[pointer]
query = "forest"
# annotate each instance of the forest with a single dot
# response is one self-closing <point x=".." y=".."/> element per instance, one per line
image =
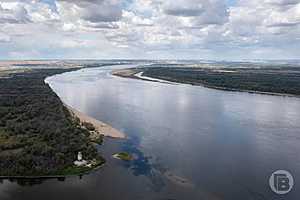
<point x="38" y="135"/>
<point x="281" y="80"/>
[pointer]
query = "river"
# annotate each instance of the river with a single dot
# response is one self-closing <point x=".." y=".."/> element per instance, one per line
<point x="189" y="142"/>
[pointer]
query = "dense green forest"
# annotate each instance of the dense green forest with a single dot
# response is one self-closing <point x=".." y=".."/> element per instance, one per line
<point x="38" y="135"/>
<point x="284" y="80"/>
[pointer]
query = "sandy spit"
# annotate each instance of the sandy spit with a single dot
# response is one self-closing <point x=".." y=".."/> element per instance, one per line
<point x="101" y="127"/>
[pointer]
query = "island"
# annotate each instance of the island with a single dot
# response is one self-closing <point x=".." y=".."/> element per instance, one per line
<point x="40" y="136"/>
<point x="270" y="80"/>
<point x="123" y="156"/>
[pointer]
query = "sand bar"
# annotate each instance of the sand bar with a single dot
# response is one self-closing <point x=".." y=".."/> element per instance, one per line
<point x="101" y="127"/>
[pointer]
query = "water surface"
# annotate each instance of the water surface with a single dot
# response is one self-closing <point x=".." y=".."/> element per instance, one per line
<point x="189" y="142"/>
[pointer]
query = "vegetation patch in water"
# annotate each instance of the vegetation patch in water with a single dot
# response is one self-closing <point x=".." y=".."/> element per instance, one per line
<point x="123" y="156"/>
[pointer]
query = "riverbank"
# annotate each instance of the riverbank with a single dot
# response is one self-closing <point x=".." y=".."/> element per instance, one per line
<point x="139" y="73"/>
<point x="101" y="128"/>
<point x="65" y="173"/>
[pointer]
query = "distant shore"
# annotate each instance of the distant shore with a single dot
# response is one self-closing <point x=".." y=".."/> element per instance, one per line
<point x="137" y="73"/>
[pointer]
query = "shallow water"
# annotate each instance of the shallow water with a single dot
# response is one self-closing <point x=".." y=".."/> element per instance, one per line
<point x="189" y="142"/>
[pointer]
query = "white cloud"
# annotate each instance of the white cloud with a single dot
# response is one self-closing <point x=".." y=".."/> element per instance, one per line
<point x="142" y="28"/>
<point x="4" y="38"/>
<point x="92" y="11"/>
<point x="11" y="12"/>
<point x="203" y="11"/>
<point x="40" y="12"/>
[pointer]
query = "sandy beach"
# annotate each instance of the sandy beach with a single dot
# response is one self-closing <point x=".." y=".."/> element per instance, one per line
<point x="101" y="127"/>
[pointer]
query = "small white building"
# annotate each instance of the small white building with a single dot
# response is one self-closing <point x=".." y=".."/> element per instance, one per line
<point x="80" y="162"/>
<point x="79" y="156"/>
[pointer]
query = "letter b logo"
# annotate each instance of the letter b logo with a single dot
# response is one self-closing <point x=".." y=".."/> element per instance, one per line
<point x="281" y="182"/>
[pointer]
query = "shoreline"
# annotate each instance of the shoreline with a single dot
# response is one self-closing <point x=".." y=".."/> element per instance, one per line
<point x="133" y="72"/>
<point x="100" y="127"/>
<point x="58" y="176"/>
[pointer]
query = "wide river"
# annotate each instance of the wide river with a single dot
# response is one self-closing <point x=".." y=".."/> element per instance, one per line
<point x="189" y="142"/>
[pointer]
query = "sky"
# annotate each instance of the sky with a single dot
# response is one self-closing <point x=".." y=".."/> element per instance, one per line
<point x="150" y="29"/>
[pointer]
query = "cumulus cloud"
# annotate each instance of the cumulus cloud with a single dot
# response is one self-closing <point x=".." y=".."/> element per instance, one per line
<point x="4" y="38"/>
<point x="184" y="8"/>
<point x="204" y="11"/>
<point x="156" y="28"/>
<point x="94" y="11"/>
<point x="283" y="2"/>
<point x="13" y="13"/>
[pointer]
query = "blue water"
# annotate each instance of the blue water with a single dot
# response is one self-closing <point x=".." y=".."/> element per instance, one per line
<point x="189" y="142"/>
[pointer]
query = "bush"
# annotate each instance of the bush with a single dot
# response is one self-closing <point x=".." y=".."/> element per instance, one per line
<point x="88" y="126"/>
